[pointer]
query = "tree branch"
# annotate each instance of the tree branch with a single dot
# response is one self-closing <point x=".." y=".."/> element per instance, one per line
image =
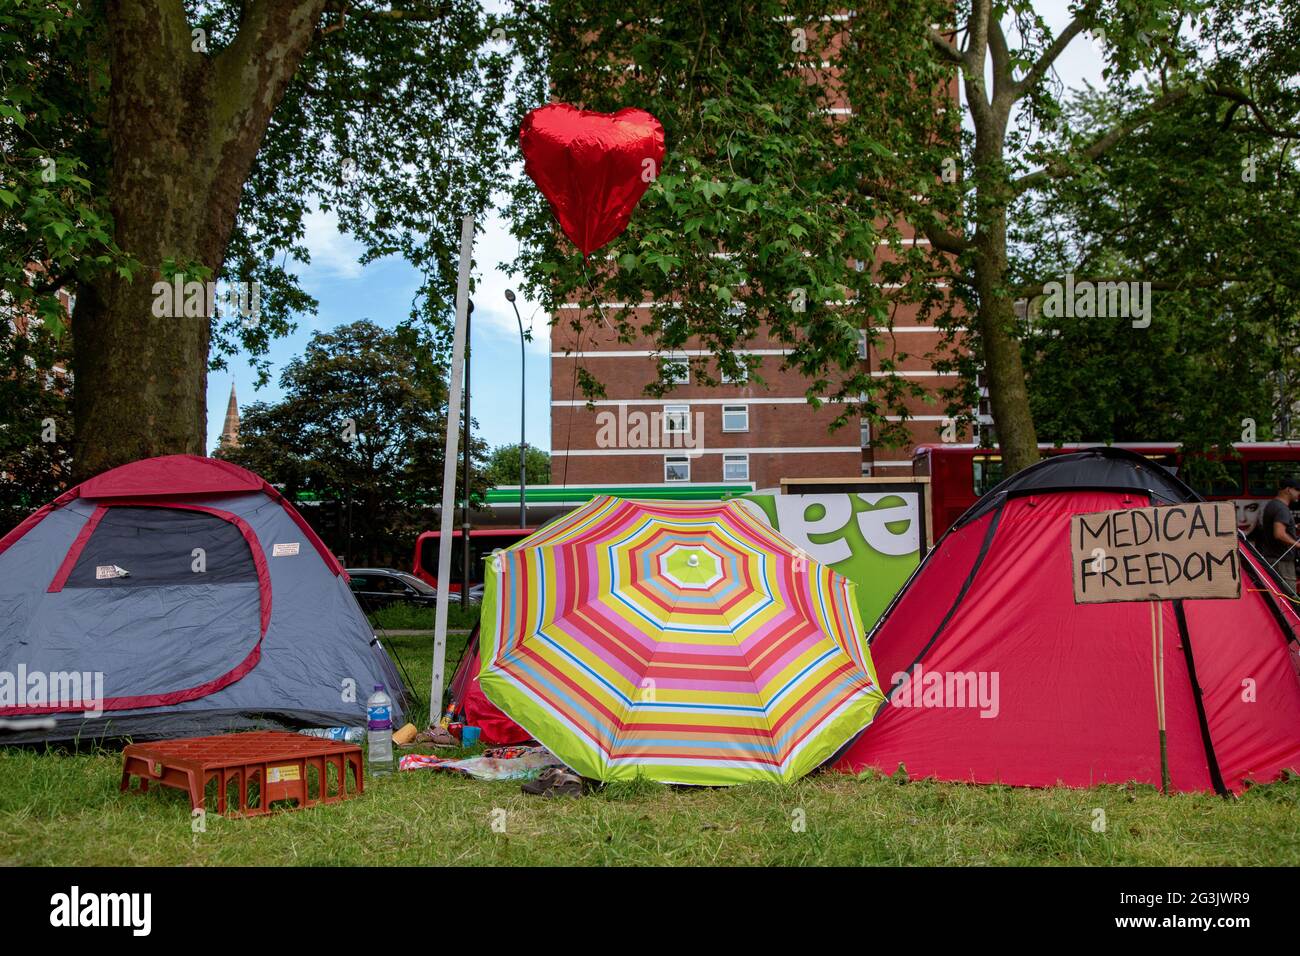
<point x="945" y="46"/>
<point x="1003" y="81"/>
<point x="945" y="240"/>
<point x="1044" y="63"/>
<point x="977" y="38"/>
<point x="1061" y="166"/>
<point x="977" y="44"/>
<point x="1240" y="98"/>
<point x="1157" y="285"/>
<point x="422" y="15"/>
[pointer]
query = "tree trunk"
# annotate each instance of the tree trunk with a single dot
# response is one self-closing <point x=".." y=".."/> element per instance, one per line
<point x="996" y="318"/>
<point x="184" y="128"/>
<point x="1003" y="368"/>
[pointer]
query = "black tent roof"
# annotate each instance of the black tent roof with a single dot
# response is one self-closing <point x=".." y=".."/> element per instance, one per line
<point x="1103" y="468"/>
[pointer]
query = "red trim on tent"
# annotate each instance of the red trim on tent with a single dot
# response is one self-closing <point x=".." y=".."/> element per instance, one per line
<point x="35" y="518"/>
<point x="254" y="546"/>
<point x="171" y="475"/>
<point x="74" y="552"/>
<point x="158" y="700"/>
<point x="331" y="562"/>
<point x="191" y="693"/>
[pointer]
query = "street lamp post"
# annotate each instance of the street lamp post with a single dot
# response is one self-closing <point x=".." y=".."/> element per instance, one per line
<point x="523" y="392"/>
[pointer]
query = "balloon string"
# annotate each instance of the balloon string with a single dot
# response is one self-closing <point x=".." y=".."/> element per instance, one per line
<point x="573" y="391"/>
<point x="573" y="386"/>
<point x="595" y="296"/>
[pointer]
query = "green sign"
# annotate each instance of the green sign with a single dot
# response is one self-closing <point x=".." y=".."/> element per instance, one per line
<point x="875" y="539"/>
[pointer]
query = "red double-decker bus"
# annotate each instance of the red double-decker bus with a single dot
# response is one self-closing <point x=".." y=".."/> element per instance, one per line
<point x="482" y="542"/>
<point x="960" y="474"/>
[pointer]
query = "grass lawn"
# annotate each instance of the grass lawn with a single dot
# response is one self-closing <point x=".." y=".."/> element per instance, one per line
<point x="58" y="809"/>
<point x="402" y="617"/>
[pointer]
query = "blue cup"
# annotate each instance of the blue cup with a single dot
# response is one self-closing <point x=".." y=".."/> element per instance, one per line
<point x="469" y="736"/>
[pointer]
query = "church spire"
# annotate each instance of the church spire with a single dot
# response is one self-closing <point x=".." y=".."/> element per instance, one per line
<point x="230" y="430"/>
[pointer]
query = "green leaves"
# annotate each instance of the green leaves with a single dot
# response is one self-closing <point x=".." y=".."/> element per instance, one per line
<point x="362" y="419"/>
<point x="35" y="439"/>
<point x="761" y="199"/>
<point x="55" y="225"/>
<point x="1205" y="210"/>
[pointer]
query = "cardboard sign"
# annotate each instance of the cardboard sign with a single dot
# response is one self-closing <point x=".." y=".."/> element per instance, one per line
<point x="1163" y="553"/>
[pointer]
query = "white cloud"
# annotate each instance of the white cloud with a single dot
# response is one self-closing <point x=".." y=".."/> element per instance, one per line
<point x="333" y="254"/>
<point x="492" y="313"/>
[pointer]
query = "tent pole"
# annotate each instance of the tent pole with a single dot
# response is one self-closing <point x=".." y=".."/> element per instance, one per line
<point x="449" y="471"/>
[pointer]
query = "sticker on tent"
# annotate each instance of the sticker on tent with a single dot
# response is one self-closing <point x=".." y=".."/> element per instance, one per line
<point x="1154" y="554"/>
<point x="284" y="550"/>
<point x="105" y="571"/>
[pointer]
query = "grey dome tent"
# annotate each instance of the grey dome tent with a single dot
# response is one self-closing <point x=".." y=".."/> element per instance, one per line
<point x="179" y="596"/>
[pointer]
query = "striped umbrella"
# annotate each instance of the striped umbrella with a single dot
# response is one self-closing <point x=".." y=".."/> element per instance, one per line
<point x="687" y="643"/>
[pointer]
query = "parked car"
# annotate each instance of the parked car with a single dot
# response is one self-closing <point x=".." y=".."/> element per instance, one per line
<point x="376" y="588"/>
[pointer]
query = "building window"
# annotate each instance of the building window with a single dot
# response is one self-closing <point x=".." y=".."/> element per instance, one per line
<point x="735" y="468"/>
<point x="677" y="468"/>
<point x="735" y="418"/>
<point x="864" y="432"/>
<point x="740" y="377"/>
<point x="677" y="419"/>
<point x="866" y="469"/>
<point x="676" y="369"/>
<point x="862" y="344"/>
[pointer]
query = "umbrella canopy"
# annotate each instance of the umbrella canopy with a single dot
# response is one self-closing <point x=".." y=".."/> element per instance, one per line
<point x="687" y="643"/>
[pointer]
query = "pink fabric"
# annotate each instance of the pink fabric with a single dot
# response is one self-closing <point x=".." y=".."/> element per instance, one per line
<point x="78" y="545"/>
<point x="158" y="700"/>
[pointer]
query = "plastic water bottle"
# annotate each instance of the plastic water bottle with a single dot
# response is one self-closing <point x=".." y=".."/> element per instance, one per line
<point x="351" y="735"/>
<point x="379" y="736"/>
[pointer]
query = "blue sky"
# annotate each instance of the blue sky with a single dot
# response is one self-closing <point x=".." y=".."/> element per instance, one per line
<point x="382" y="292"/>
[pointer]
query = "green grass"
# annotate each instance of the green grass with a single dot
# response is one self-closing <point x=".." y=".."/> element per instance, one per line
<point x="59" y="809"/>
<point x="403" y="617"/>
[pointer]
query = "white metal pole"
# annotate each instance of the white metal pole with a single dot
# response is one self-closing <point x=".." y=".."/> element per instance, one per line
<point x="449" y="471"/>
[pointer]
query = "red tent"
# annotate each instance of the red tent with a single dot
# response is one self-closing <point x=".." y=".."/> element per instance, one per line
<point x="1058" y="692"/>
<point x="472" y="706"/>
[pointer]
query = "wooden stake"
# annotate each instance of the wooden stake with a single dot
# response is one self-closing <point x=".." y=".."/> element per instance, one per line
<point x="1158" y="669"/>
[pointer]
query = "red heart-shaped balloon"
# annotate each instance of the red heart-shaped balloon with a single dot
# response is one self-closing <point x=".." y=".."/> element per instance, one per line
<point x="592" y="168"/>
